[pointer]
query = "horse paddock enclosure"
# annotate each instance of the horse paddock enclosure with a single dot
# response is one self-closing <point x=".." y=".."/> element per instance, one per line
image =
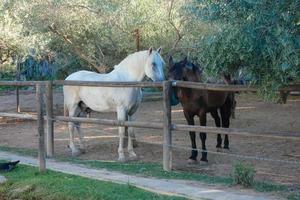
<point x="252" y="114"/>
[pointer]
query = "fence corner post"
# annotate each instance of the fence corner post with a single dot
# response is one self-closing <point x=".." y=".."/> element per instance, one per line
<point x="49" y="115"/>
<point x="40" y="124"/>
<point x="167" y="149"/>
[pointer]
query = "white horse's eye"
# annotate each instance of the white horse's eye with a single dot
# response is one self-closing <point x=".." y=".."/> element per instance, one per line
<point x="154" y="66"/>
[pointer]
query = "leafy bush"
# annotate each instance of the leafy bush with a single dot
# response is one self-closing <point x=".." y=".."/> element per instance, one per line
<point x="243" y="174"/>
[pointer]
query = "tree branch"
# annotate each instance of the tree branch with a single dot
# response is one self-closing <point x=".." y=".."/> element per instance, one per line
<point x="77" y="51"/>
<point x="177" y="31"/>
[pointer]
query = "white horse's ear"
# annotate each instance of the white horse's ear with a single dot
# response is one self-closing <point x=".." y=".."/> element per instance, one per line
<point x="159" y="50"/>
<point x="150" y="50"/>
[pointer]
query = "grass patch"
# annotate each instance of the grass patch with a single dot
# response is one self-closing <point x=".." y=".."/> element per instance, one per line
<point x="20" y="151"/>
<point x="25" y="182"/>
<point x="295" y="196"/>
<point x="152" y="170"/>
<point x="243" y="174"/>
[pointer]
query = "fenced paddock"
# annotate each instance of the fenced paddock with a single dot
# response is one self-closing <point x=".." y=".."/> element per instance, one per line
<point x="270" y="148"/>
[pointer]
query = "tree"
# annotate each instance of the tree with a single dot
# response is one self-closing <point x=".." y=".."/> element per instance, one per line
<point x="259" y="37"/>
<point x="96" y="34"/>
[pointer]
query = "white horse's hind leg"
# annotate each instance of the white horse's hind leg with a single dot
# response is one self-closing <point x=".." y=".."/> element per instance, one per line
<point x="122" y="117"/>
<point x="131" y="153"/>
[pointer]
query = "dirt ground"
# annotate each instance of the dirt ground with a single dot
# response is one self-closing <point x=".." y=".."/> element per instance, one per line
<point x="252" y="114"/>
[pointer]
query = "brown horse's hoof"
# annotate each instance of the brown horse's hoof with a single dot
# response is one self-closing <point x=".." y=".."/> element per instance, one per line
<point x="192" y="162"/>
<point x="203" y="162"/>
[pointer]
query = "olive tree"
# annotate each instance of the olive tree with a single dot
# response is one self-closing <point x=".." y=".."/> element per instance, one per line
<point x="260" y="38"/>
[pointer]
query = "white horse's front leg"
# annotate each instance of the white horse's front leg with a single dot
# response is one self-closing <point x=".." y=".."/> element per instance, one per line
<point x="122" y="117"/>
<point x="131" y="153"/>
<point x="72" y="146"/>
<point x="82" y="145"/>
<point x="74" y="150"/>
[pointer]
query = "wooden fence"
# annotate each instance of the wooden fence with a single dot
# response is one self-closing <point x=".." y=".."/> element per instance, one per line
<point x="167" y="126"/>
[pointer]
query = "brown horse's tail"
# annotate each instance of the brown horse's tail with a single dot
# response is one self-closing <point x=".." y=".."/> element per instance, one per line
<point x="233" y="105"/>
<point x="228" y="81"/>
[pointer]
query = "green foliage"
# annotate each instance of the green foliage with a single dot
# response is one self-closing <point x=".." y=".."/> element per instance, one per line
<point x="295" y="196"/>
<point x="243" y="174"/>
<point x="259" y="37"/>
<point x="91" y="34"/>
<point x="26" y="182"/>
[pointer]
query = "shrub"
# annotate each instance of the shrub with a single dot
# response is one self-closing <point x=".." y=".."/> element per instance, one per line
<point x="243" y="174"/>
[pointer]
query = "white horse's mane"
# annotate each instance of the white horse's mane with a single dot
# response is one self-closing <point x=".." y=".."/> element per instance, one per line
<point x="129" y="58"/>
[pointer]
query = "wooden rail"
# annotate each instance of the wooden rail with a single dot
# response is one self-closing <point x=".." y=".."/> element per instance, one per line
<point x="19" y="83"/>
<point x="18" y="115"/>
<point x="108" y="84"/>
<point x="213" y="87"/>
<point x="110" y="122"/>
<point x="234" y="131"/>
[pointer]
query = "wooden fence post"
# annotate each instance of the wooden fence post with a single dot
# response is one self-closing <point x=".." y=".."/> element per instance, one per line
<point x="17" y="88"/>
<point x="40" y="124"/>
<point x="49" y="115"/>
<point x="167" y="149"/>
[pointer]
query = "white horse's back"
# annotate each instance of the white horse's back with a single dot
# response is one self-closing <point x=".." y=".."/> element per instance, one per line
<point x="101" y="99"/>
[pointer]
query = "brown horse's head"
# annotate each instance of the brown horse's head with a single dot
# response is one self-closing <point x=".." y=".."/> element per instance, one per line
<point x="184" y="70"/>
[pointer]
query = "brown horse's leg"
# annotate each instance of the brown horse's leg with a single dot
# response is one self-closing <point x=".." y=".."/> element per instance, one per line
<point x="203" y="137"/>
<point x="194" y="152"/>
<point x="217" y="119"/>
<point x="225" y="115"/>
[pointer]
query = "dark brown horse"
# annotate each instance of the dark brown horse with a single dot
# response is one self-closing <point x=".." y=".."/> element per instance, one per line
<point x="197" y="102"/>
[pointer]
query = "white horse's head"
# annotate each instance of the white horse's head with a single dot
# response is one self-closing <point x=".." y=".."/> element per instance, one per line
<point x="154" y="65"/>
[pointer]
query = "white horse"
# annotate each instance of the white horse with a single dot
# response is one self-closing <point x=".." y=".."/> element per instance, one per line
<point x="124" y="101"/>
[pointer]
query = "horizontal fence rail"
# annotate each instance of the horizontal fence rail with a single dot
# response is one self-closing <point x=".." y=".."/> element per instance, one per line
<point x="19" y="83"/>
<point x="108" y="84"/>
<point x="213" y="87"/>
<point x="228" y="88"/>
<point x="234" y="131"/>
<point x="19" y="115"/>
<point x="110" y="122"/>
<point x="184" y="84"/>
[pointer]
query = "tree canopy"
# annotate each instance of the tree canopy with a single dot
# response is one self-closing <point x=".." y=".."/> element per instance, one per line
<point x="258" y="39"/>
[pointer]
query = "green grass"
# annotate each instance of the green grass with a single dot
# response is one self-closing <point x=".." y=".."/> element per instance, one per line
<point x="25" y="182"/>
<point x="153" y="170"/>
<point x="295" y="196"/>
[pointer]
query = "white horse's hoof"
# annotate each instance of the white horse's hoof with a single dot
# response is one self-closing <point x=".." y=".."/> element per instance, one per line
<point x="133" y="157"/>
<point x="192" y="162"/>
<point x="121" y="159"/>
<point x="76" y="153"/>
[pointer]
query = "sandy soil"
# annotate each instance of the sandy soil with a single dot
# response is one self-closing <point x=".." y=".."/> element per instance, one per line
<point x="251" y="114"/>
